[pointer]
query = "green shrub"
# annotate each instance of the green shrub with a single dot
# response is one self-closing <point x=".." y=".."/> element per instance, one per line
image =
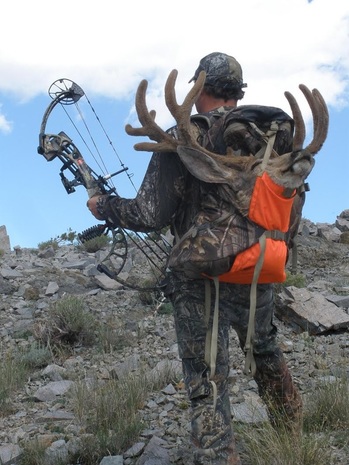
<point x="110" y="415"/>
<point x="68" y="237"/>
<point x="263" y="445"/>
<point x="297" y="280"/>
<point x="165" y="308"/>
<point x="50" y="243"/>
<point x="31" y="293"/>
<point x="111" y="338"/>
<point x="97" y="243"/>
<point x="69" y="323"/>
<point x="36" y="356"/>
<point x="33" y="453"/>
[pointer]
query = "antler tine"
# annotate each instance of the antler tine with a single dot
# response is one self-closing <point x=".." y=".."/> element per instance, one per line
<point x="323" y="119"/>
<point x="165" y="142"/>
<point x="181" y="113"/>
<point x="320" y="116"/>
<point x="146" y="117"/>
<point x="299" y="136"/>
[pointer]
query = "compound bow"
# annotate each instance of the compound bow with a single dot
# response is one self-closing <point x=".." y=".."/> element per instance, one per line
<point x="52" y="146"/>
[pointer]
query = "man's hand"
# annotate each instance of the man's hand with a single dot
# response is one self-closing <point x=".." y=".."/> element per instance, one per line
<point x="92" y="205"/>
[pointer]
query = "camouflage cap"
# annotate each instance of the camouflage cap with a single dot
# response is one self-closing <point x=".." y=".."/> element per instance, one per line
<point x="221" y="69"/>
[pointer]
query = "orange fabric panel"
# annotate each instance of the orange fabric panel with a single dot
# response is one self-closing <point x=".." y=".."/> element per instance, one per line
<point x="273" y="270"/>
<point x="268" y="207"/>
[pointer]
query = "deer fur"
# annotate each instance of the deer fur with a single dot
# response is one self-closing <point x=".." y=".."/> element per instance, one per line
<point x="238" y="173"/>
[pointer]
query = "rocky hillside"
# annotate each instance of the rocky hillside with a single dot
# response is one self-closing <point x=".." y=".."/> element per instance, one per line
<point x="136" y="334"/>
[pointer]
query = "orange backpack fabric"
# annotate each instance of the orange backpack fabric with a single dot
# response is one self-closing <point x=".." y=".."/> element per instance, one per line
<point x="270" y="209"/>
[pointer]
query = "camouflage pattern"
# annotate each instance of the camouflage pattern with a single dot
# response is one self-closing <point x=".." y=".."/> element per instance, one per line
<point x="212" y="434"/>
<point x="244" y="138"/>
<point x="221" y="69"/>
<point x="213" y="241"/>
<point x="170" y="195"/>
<point x="209" y="216"/>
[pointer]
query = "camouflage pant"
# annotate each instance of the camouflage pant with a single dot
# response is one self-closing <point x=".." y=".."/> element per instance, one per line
<point x="212" y="433"/>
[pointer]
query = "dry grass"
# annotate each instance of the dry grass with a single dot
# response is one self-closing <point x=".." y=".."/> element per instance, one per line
<point x="327" y="407"/>
<point x="324" y="435"/>
<point x="266" y="446"/>
<point x="110" y="413"/>
<point x="13" y="374"/>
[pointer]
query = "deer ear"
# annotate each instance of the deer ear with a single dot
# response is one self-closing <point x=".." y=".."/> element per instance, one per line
<point x="202" y="166"/>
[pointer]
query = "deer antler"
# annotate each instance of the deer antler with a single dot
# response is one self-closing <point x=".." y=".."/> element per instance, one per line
<point x="239" y="173"/>
<point x="181" y="113"/>
<point x="299" y="134"/>
<point x="166" y="142"/>
<point x="320" y="120"/>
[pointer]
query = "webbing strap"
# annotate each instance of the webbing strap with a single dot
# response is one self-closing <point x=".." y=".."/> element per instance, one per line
<point x="250" y="363"/>
<point x="294" y="256"/>
<point x="211" y="343"/>
<point x="214" y="339"/>
<point x="207" y="321"/>
<point x="271" y="134"/>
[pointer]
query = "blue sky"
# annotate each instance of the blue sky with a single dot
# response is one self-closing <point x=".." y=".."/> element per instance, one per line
<point x="108" y="50"/>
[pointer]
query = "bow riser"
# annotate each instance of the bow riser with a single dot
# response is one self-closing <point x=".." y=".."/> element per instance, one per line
<point x="62" y="147"/>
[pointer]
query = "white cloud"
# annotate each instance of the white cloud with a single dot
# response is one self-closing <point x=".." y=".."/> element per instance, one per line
<point x="108" y="47"/>
<point x="5" y="124"/>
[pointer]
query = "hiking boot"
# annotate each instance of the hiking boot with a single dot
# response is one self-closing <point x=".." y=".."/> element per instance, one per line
<point x="210" y="457"/>
<point x="212" y="434"/>
<point x="190" y="455"/>
<point x="276" y="388"/>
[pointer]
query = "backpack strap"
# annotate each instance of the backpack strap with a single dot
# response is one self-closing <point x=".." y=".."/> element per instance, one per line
<point x="250" y="363"/>
<point x="271" y="135"/>
<point x="211" y="342"/>
<point x="208" y="118"/>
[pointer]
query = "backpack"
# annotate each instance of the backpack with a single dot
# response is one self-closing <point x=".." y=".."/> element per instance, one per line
<point x="239" y="248"/>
